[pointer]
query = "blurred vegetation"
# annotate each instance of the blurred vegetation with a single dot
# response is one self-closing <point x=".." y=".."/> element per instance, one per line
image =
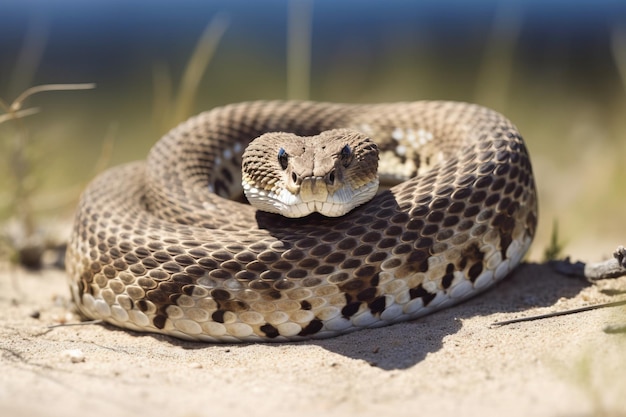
<point x="599" y="378"/>
<point x="557" y="70"/>
<point x="21" y="239"/>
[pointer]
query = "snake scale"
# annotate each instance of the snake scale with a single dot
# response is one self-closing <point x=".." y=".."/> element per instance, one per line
<point x="168" y="245"/>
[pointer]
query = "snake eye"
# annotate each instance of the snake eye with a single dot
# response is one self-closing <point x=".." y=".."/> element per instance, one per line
<point x="345" y="155"/>
<point x="283" y="158"/>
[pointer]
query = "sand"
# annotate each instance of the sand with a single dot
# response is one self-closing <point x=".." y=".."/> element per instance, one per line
<point x="451" y="363"/>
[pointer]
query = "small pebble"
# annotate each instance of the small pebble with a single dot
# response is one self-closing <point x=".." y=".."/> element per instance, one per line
<point x="74" y="355"/>
<point x="62" y="318"/>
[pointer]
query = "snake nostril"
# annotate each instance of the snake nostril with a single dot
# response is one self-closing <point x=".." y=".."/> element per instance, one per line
<point x="331" y="177"/>
<point x="294" y="177"/>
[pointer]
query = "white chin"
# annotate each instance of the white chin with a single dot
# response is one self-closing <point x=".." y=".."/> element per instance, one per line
<point x="292" y="206"/>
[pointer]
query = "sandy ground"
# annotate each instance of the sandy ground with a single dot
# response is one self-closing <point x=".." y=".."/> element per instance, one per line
<point x="452" y="363"/>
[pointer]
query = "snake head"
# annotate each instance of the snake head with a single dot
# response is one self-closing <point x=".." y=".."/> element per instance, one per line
<point x="294" y="176"/>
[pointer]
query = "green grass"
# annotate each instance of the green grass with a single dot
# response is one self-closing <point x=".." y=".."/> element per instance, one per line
<point x="554" y="250"/>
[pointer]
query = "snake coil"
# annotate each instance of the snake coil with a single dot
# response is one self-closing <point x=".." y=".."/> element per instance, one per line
<point x="164" y="246"/>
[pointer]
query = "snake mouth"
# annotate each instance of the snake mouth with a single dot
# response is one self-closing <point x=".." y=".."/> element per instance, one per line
<point x="313" y="197"/>
<point x="314" y="189"/>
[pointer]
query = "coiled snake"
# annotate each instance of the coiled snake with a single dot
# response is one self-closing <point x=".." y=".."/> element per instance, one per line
<point x="164" y="246"/>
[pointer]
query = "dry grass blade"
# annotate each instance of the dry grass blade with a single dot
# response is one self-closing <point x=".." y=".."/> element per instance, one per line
<point x="17" y="103"/>
<point x="107" y="149"/>
<point x="494" y="79"/>
<point x="18" y="114"/>
<point x="197" y="65"/>
<point x="618" y="48"/>
<point x="299" y="49"/>
<point x="559" y="313"/>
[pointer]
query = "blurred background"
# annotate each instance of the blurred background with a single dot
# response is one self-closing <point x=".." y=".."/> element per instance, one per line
<point x="556" y="68"/>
